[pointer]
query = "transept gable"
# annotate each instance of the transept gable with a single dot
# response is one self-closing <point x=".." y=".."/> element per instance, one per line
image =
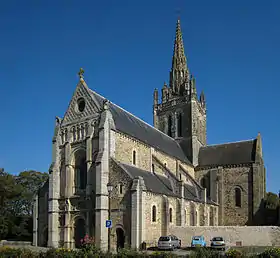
<point x="81" y="106"/>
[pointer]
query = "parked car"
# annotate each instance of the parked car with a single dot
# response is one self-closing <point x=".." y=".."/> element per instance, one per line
<point x="218" y="243"/>
<point x="198" y="241"/>
<point x="170" y="242"/>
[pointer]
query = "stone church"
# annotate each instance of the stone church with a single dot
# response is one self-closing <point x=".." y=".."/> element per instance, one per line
<point x="158" y="176"/>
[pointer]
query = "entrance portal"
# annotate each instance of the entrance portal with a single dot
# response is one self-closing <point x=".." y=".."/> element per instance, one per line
<point x="120" y="238"/>
<point x="80" y="232"/>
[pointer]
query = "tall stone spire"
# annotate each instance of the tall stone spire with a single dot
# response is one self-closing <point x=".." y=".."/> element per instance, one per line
<point x="179" y="74"/>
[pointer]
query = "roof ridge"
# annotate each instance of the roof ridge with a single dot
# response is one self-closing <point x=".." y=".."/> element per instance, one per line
<point x="227" y="143"/>
<point x="136" y="117"/>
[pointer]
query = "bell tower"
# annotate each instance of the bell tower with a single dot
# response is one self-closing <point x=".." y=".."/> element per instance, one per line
<point x="180" y="113"/>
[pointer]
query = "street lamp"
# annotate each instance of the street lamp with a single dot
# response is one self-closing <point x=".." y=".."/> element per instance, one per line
<point x="110" y="189"/>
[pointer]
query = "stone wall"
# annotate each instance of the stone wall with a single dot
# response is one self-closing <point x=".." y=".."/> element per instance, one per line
<point x="223" y="188"/>
<point x="249" y="236"/>
<point x="125" y="145"/>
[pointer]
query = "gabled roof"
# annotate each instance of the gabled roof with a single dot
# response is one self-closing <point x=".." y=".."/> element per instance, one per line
<point x="133" y="126"/>
<point x="228" y="154"/>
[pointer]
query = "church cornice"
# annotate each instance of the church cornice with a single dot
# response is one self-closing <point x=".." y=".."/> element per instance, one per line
<point x="216" y="166"/>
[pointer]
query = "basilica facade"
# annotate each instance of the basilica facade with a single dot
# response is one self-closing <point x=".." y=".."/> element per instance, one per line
<point x="110" y="165"/>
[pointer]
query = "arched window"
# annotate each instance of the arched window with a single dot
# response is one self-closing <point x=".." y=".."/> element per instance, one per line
<point x="154" y="213"/>
<point x="120" y="188"/>
<point x="192" y="215"/>
<point x="134" y="157"/>
<point x="170" y="215"/>
<point x="205" y="183"/>
<point x="179" y="125"/>
<point x="237" y="197"/>
<point x="80" y="170"/>
<point x="169" y="132"/>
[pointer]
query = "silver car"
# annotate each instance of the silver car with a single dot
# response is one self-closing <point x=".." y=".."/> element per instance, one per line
<point x="218" y="243"/>
<point x="170" y="242"/>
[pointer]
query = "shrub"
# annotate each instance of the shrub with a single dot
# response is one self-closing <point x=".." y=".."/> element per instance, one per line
<point x="271" y="252"/>
<point x="205" y="252"/>
<point x="6" y="251"/>
<point x="233" y="253"/>
<point x="88" y="248"/>
<point x="10" y="252"/>
<point x="124" y="252"/>
<point x="162" y="254"/>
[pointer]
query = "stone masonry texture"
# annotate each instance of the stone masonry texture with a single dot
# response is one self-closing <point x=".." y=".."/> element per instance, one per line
<point x="248" y="236"/>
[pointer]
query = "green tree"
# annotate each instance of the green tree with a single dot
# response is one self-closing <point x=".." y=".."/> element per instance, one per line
<point x="30" y="181"/>
<point x="9" y="190"/>
<point x="271" y="201"/>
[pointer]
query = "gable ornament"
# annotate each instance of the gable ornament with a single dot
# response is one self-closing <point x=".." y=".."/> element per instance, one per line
<point x="81" y="73"/>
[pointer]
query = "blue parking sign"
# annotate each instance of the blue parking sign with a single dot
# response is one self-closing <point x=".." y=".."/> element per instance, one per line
<point x="108" y="223"/>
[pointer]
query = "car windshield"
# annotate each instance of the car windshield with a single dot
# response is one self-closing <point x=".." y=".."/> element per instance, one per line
<point x="166" y="238"/>
<point x="217" y="239"/>
<point x="196" y="238"/>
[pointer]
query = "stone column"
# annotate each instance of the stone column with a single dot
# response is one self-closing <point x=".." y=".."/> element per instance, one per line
<point x="54" y="195"/>
<point x="137" y="212"/>
<point x="53" y="223"/>
<point x="216" y="216"/>
<point x="221" y="196"/>
<point x="68" y="171"/>
<point x="35" y="221"/>
<point x="175" y="125"/>
<point x="89" y="178"/>
<point x="254" y="203"/>
<point x="182" y="202"/>
<point x="102" y="177"/>
<point x="67" y="229"/>
<point x="208" y="216"/>
<point x="165" y="220"/>
<point x="205" y="214"/>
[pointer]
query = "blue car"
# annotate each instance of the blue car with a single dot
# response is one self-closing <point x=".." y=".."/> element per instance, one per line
<point x="198" y="241"/>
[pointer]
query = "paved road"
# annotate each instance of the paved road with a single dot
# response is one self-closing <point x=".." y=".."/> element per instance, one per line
<point x="180" y="252"/>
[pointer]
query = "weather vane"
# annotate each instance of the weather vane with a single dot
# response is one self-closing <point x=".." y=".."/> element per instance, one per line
<point x="81" y="73"/>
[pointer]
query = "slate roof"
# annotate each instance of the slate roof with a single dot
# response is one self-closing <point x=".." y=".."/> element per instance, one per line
<point x="131" y="125"/>
<point x="228" y="154"/>
<point x="162" y="185"/>
<point x="154" y="183"/>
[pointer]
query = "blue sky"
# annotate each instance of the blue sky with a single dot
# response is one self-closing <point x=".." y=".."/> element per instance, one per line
<point x="125" y="48"/>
